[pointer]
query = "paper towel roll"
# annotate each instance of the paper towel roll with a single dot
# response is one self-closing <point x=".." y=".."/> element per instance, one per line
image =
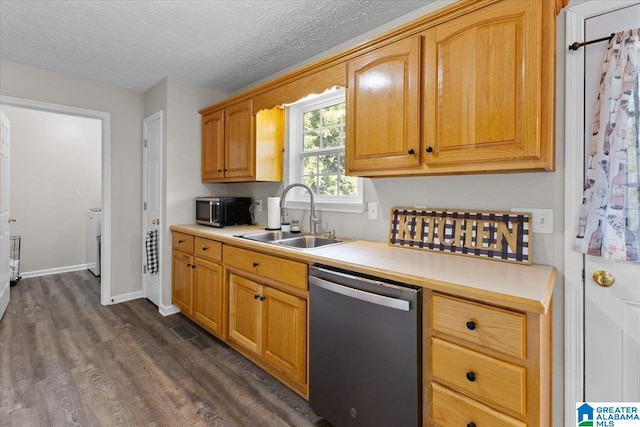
<point x="273" y="213"/>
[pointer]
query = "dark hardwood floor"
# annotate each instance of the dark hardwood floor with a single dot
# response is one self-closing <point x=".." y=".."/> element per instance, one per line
<point x="67" y="360"/>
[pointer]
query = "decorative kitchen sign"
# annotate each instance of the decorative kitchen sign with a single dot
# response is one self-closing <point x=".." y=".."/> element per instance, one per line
<point x="499" y="236"/>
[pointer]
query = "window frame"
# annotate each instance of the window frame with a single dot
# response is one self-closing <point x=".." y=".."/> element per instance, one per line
<point x="298" y="198"/>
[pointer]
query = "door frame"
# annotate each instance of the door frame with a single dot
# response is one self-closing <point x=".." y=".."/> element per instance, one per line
<point x="145" y="124"/>
<point x="573" y="186"/>
<point x="105" y="261"/>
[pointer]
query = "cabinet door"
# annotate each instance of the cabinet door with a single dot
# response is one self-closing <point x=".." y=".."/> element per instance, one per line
<point x="482" y="89"/>
<point x="383" y="109"/>
<point x="239" y="141"/>
<point x="285" y="332"/>
<point x="213" y="146"/>
<point x="245" y="313"/>
<point x="208" y="305"/>
<point x="183" y="282"/>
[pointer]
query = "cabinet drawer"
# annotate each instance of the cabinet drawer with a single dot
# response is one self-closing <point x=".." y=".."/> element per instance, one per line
<point x="208" y="249"/>
<point x="480" y="324"/>
<point x="285" y="271"/>
<point x="182" y="242"/>
<point x="491" y="380"/>
<point x="453" y="409"/>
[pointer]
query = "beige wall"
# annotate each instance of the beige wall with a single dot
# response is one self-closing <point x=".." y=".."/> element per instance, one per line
<point x="55" y="180"/>
<point x="126" y="110"/>
<point x="182" y="162"/>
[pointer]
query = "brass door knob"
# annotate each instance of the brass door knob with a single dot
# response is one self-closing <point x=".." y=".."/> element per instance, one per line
<point x="155" y="222"/>
<point x="603" y="278"/>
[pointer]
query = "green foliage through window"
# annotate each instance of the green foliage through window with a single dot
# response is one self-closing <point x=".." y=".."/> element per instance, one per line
<point x="322" y="155"/>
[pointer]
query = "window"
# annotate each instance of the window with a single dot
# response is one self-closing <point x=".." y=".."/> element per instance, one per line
<point x="316" y="133"/>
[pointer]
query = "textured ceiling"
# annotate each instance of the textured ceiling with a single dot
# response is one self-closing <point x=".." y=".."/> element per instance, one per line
<point x="222" y="45"/>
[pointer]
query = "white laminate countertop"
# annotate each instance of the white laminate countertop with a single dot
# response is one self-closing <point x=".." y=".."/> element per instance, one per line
<point x="523" y="287"/>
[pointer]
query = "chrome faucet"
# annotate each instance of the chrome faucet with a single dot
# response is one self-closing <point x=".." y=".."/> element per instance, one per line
<point x="313" y="220"/>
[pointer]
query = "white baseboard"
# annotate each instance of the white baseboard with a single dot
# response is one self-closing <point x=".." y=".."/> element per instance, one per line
<point x="56" y="270"/>
<point x="168" y="310"/>
<point x="117" y="299"/>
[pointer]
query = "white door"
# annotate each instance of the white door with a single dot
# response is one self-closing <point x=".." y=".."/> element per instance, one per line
<point x="152" y="201"/>
<point x="612" y="315"/>
<point x="5" y="290"/>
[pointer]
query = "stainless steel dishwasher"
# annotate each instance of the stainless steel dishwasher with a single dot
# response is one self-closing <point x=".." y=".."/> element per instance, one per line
<point x="365" y="346"/>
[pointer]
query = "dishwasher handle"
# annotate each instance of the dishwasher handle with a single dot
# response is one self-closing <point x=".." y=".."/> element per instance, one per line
<point x="382" y="300"/>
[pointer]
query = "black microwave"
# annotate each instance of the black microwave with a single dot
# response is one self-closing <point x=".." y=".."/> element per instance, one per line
<point x="222" y="211"/>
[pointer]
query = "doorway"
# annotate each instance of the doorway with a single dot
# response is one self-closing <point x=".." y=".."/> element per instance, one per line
<point x="580" y="361"/>
<point x="105" y="126"/>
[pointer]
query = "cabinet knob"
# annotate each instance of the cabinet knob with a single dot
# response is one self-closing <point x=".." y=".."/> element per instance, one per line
<point x="255" y="264"/>
<point x="193" y="266"/>
<point x="224" y="170"/>
<point x="411" y="151"/>
<point x="263" y="298"/>
<point x="471" y="376"/>
<point x="471" y="424"/>
<point x="204" y="248"/>
<point x="219" y="170"/>
<point x="429" y="149"/>
<point x="188" y="265"/>
<point x="471" y="325"/>
<point x="256" y="296"/>
<point x="180" y="242"/>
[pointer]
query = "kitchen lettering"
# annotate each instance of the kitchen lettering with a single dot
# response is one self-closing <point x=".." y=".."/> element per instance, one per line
<point x="464" y="232"/>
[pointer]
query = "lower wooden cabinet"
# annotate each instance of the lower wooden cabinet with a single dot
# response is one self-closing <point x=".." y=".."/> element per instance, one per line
<point x="209" y="299"/>
<point x="271" y="324"/>
<point x="197" y="285"/>
<point x="243" y="301"/>
<point x="487" y="366"/>
<point x="182" y="284"/>
<point x="453" y="409"/>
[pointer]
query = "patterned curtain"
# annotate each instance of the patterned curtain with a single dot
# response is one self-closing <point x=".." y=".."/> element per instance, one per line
<point x="609" y="224"/>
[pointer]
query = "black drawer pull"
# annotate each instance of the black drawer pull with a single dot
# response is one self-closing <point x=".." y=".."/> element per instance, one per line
<point x="180" y="242"/>
<point x="411" y="151"/>
<point x="429" y="149"/>
<point x="471" y="424"/>
<point x="219" y="170"/>
<point x="193" y="266"/>
<point x="471" y="325"/>
<point x="256" y="296"/>
<point x="255" y="264"/>
<point x="188" y="265"/>
<point x="471" y="376"/>
<point x="204" y="248"/>
<point x="263" y="298"/>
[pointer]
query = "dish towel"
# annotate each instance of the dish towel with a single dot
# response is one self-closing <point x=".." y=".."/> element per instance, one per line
<point x="151" y="243"/>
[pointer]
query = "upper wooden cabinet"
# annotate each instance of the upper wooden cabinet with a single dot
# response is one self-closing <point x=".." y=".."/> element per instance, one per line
<point x="240" y="146"/>
<point x="486" y="83"/>
<point x="383" y="109"/>
<point x="213" y="146"/>
<point x="469" y="88"/>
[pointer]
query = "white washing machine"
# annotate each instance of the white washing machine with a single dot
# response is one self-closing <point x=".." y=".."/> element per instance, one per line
<point x="94" y="224"/>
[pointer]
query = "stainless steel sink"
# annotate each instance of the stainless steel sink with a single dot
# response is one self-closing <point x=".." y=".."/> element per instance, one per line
<point x="308" y="242"/>
<point x="292" y="240"/>
<point x="269" y="236"/>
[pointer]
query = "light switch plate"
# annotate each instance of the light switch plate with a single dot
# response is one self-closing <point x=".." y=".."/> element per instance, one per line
<point x="372" y="209"/>
<point x="541" y="219"/>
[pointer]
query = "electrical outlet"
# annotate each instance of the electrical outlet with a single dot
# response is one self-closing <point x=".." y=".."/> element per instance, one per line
<point x="258" y="205"/>
<point x="372" y="209"/>
<point x="541" y="219"/>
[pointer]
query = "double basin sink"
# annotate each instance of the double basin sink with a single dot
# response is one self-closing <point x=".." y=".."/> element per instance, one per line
<point x="292" y="240"/>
